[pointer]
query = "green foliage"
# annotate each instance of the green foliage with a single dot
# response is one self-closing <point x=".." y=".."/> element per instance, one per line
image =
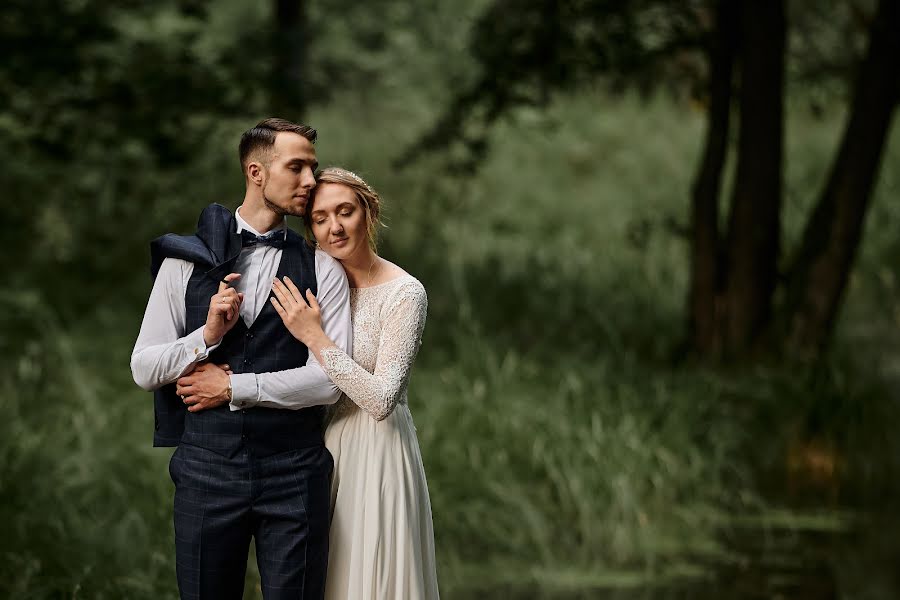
<point x="85" y="506"/>
<point x="561" y="451"/>
<point x="527" y="52"/>
<point x="566" y="453"/>
<point x="585" y="470"/>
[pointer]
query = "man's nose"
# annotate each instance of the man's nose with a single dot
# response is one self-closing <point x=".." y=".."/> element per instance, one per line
<point x="308" y="179"/>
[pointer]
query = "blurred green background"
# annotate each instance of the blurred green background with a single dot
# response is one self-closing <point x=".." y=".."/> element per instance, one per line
<point x="576" y="444"/>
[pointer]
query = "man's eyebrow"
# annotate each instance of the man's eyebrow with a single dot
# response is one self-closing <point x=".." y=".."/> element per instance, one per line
<point x="303" y="161"/>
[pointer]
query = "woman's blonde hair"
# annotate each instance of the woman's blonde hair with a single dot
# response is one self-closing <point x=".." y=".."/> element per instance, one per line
<point x="367" y="197"/>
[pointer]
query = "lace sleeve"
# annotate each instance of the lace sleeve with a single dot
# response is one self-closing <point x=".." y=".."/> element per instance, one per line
<point x="401" y="333"/>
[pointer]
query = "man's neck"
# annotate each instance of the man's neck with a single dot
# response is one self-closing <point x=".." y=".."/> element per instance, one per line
<point x="259" y="216"/>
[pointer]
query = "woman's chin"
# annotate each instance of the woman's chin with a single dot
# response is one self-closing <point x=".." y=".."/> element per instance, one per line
<point x="336" y="253"/>
<point x="341" y="250"/>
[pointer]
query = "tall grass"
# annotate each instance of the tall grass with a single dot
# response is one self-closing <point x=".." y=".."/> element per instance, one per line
<point x="86" y="507"/>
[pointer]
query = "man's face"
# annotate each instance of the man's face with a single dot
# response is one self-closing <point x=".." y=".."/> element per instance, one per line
<point x="289" y="177"/>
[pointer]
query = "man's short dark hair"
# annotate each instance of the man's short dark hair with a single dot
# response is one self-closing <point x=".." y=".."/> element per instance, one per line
<point x="261" y="139"/>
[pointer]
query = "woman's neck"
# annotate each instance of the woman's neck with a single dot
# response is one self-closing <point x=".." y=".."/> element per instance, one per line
<point x="361" y="268"/>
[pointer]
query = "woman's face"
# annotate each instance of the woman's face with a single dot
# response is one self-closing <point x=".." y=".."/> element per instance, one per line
<point x="338" y="221"/>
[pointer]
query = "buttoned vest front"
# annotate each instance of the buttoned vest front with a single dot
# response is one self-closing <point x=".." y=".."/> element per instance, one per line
<point x="266" y="346"/>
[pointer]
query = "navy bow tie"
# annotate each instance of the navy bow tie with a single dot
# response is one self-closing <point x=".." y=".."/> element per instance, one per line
<point x="275" y="239"/>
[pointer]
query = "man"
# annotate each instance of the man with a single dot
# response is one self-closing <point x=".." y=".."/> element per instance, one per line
<point x="246" y="412"/>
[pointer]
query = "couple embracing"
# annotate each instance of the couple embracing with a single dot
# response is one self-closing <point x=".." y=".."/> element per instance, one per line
<point x="279" y="371"/>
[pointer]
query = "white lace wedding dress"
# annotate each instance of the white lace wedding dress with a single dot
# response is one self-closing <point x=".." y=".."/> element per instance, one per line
<point x="382" y="540"/>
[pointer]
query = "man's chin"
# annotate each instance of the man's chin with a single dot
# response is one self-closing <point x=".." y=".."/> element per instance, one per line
<point x="291" y="209"/>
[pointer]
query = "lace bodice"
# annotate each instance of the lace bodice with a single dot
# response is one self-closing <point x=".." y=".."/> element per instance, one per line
<point x="388" y="320"/>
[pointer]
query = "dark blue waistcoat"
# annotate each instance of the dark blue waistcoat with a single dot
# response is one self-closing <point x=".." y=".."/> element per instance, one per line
<point x="264" y="347"/>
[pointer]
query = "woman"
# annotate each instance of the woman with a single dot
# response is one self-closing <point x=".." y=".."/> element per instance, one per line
<point x="381" y="539"/>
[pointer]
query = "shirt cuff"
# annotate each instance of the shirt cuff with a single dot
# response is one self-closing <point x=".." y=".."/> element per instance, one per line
<point x="244" y="391"/>
<point x="196" y="346"/>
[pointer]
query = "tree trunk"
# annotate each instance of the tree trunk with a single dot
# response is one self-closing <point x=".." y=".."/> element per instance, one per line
<point x="290" y="41"/>
<point x="834" y="230"/>
<point x="755" y="219"/>
<point x="706" y="280"/>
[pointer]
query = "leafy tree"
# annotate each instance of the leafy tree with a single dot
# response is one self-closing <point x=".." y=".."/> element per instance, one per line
<point x="528" y="51"/>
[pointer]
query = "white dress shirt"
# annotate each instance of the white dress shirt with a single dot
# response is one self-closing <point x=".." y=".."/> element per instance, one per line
<point x="164" y="351"/>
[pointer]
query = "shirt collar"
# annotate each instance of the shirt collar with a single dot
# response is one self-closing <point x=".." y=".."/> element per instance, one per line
<point x="242" y="225"/>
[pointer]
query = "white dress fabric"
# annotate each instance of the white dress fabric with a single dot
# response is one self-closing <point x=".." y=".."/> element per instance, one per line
<point x="382" y="539"/>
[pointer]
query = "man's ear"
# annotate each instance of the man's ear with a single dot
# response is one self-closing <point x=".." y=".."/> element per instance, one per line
<point x="255" y="172"/>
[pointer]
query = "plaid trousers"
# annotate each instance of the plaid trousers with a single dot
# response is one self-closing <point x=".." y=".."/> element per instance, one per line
<point x="221" y="501"/>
